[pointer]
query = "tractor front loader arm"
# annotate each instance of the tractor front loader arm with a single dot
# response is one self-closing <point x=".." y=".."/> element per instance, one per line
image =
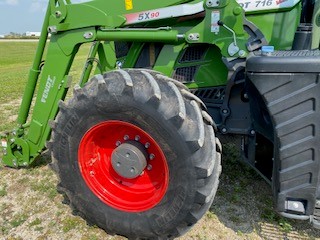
<point x="24" y="144"/>
<point x="72" y="25"/>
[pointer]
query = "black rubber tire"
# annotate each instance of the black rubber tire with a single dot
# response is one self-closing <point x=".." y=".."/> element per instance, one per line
<point x="174" y="117"/>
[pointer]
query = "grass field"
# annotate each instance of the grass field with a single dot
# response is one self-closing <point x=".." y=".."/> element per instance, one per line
<point x="31" y="208"/>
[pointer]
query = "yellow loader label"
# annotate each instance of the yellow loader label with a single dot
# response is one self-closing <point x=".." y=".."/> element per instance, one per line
<point x="129" y="4"/>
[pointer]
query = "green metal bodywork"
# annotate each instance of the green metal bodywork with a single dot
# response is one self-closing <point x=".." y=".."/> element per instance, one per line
<point x="278" y="27"/>
<point x="103" y="22"/>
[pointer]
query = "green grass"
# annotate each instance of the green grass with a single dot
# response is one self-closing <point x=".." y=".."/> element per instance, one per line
<point x="15" y="62"/>
<point x="13" y="53"/>
<point x="3" y="191"/>
<point x="35" y="222"/>
<point x="18" y="219"/>
<point x="70" y="223"/>
<point x="45" y="187"/>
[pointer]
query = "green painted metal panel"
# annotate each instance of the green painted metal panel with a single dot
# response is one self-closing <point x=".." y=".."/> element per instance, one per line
<point x="211" y="70"/>
<point x="133" y="55"/>
<point x="167" y="59"/>
<point x="316" y="26"/>
<point x="231" y="14"/>
<point x="35" y="131"/>
<point x="107" y="56"/>
<point x="278" y="27"/>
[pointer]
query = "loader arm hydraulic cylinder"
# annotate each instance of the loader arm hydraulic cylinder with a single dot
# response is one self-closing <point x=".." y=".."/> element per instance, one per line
<point x="34" y="72"/>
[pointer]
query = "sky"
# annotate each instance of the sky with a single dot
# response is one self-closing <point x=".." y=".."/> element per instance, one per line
<point x="21" y="16"/>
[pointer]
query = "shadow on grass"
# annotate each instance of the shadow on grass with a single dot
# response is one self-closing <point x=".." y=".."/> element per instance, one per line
<point x="244" y="203"/>
<point x="43" y="160"/>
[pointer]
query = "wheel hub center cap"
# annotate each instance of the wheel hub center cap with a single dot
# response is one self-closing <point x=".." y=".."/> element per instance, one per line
<point x="129" y="159"/>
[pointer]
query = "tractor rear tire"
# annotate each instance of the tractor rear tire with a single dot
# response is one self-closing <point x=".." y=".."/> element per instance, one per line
<point x="175" y="156"/>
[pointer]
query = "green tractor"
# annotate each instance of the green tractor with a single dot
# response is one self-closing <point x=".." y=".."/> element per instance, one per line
<point x="135" y="147"/>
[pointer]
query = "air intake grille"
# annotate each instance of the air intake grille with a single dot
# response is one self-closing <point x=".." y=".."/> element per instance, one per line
<point x="194" y="53"/>
<point x="185" y="74"/>
<point x="212" y="95"/>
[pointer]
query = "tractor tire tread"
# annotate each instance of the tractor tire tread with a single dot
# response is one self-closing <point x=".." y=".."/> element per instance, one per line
<point x="184" y="111"/>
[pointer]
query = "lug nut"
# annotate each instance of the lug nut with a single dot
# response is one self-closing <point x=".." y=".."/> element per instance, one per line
<point x="126" y="137"/>
<point x="152" y="156"/>
<point x="137" y="138"/>
<point x="147" y="145"/>
<point x="92" y="161"/>
<point x="91" y="173"/>
<point x="149" y="167"/>
<point x="118" y="143"/>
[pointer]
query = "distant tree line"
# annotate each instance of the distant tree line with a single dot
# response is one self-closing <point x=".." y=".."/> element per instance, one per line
<point x="14" y="35"/>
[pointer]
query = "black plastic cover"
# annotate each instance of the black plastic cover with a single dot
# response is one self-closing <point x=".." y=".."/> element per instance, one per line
<point x="300" y="61"/>
<point x="288" y="82"/>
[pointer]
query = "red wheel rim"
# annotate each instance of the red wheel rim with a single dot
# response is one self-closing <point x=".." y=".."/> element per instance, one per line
<point x="131" y="195"/>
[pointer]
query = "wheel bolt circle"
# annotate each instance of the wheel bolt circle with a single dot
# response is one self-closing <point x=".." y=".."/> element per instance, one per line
<point x="129" y="159"/>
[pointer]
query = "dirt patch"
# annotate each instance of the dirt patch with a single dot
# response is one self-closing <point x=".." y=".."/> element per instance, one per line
<point x="6" y="108"/>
